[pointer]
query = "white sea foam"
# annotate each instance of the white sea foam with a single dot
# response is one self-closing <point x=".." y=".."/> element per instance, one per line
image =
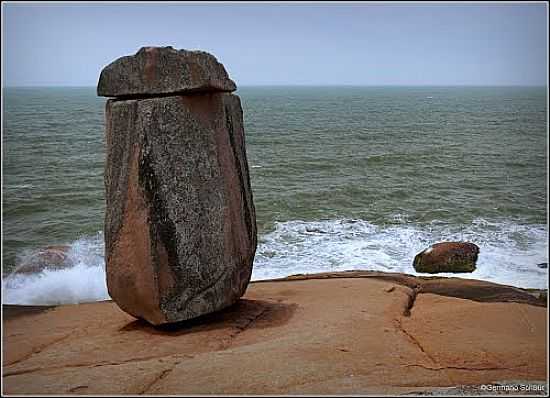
<point x="78" y="284"/>
<point x="83" y="282"/>
<point x="509" y="254"/>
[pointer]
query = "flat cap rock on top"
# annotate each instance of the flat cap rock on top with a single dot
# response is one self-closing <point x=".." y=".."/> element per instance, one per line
<point x="163" y="70"/>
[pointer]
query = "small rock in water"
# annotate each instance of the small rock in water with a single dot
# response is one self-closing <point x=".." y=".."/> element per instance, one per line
<point x="47" y="258"/>
<point x="447" y="257"/>
<point x="315" y="230"/>
<point x="542" y="265"/>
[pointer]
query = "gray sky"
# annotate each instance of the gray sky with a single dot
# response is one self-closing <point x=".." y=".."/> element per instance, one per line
<point x="362" y="44"/>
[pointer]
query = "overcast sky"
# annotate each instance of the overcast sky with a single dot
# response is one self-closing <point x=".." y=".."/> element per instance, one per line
<point x="360" y="44"/>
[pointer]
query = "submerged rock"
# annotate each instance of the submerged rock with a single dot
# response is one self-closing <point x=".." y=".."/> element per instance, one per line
<point x="180" y="224"/>
<point x="163" y="70"/>
<point x="542" y="265"/>
<point x="447" y="257"/>
<point x="47" y="258"/>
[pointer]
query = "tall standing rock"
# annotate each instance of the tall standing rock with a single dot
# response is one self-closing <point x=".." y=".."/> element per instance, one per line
<point x="180" y="224"/>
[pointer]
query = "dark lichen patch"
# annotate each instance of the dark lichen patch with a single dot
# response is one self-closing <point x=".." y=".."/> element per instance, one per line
<point x="162" y="230"/>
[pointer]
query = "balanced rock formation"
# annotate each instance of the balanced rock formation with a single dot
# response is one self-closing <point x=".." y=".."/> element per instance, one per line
<point x="447" y="257"/>
<point x="180" y="224"/>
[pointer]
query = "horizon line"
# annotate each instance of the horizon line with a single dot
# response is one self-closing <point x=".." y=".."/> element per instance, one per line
<point x="310" y="85"/>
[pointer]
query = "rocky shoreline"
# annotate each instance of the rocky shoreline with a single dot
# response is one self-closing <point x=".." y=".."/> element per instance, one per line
<point x="356" y="332"/>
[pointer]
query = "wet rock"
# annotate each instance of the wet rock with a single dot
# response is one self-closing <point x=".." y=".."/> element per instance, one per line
<point x="447" y="257"/>
<point x="163" y="70"/>
<point x="542" y="265"/>
<point x="180" y="224"/>
<point x="315" y="230"/>
<point x="47" y="258"/>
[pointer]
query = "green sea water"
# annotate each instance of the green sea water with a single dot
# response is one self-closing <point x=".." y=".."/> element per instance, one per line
<point x="342" y="177"/>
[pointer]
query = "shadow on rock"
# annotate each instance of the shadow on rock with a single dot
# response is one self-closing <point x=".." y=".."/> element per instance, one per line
<point x="244" y="314"/>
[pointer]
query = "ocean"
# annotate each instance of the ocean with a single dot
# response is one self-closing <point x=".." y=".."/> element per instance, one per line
<point x="342" y="177"/>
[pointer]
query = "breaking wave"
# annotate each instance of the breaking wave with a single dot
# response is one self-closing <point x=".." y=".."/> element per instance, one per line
<point x="509" y="254"/>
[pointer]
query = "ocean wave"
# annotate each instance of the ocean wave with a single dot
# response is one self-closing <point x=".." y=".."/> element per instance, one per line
<point x="509" y="254"/>
<point x="84" y="281"/>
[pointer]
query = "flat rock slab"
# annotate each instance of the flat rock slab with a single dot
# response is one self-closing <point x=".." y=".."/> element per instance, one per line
<point x="154" y="71"/>
<point x="369" y="334"/>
